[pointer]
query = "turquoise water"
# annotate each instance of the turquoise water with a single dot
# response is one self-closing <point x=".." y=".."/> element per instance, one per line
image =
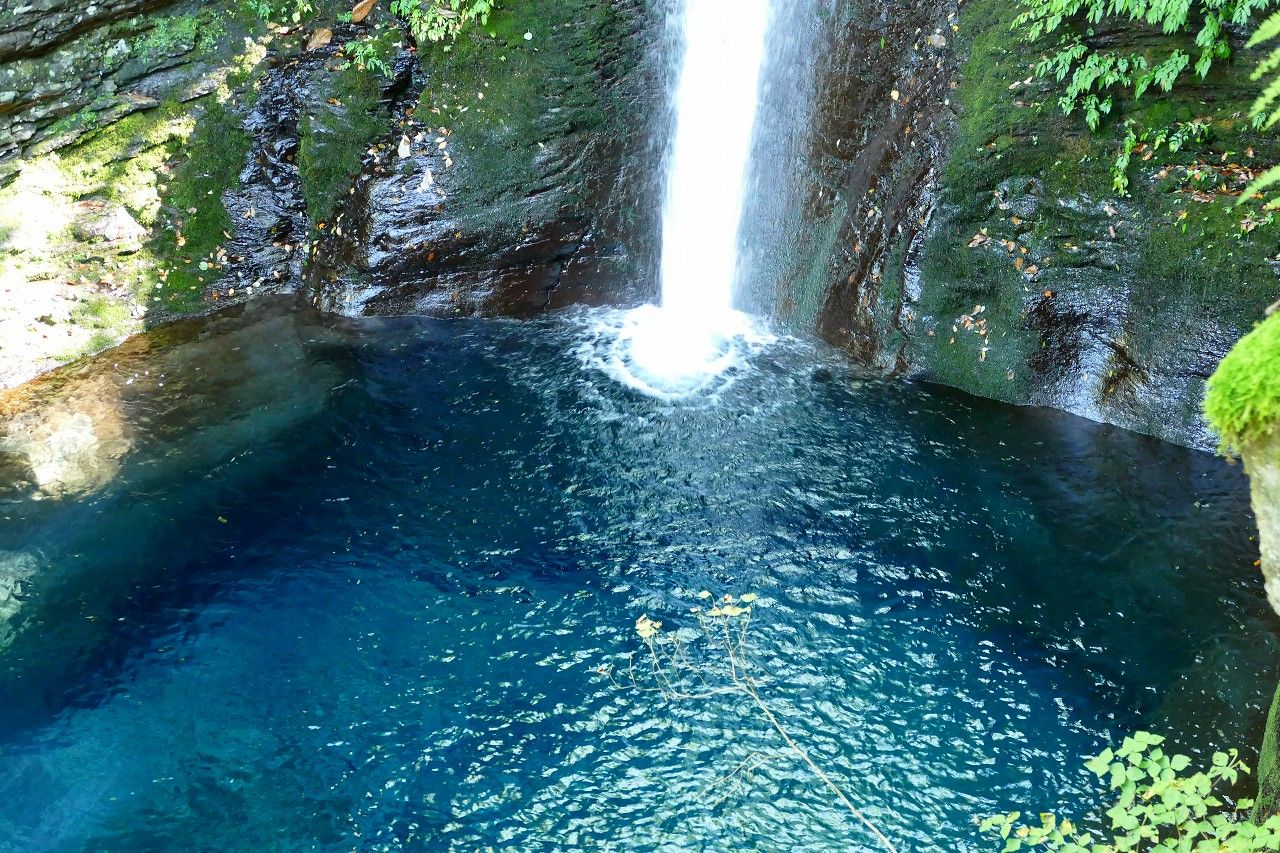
<point x="347" y="584"/>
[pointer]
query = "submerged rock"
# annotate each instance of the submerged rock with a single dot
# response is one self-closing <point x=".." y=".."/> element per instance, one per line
<point x="245" y="375"/>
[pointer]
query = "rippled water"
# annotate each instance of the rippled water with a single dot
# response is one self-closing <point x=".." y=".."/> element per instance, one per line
<point x="353" y="595"/>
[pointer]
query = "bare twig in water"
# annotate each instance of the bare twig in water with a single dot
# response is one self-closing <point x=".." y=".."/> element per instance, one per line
<point x="673" y="670"/>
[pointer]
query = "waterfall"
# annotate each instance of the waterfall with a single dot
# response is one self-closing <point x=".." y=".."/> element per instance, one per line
<point x="716" y="103"/>
<point x="695" y="338"/>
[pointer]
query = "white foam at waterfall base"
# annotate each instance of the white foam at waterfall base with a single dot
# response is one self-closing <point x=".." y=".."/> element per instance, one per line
<point x="651" y="351"/>
<point x="695" y="336"/>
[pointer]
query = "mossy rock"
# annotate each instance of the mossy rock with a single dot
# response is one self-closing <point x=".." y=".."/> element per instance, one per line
<point x="1268" y="799"/>
<point x="1243" y="399"/>
<point x="344" y="116"/>
<point x="1135" y="295"/>
<point x="504" y="96"/>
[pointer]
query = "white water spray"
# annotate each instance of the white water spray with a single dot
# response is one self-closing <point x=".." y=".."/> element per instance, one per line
<point x="685" y="345"/>
<point x="716" y="102"/>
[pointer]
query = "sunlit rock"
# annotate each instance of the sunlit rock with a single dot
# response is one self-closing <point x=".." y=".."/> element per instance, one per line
<point x="1262" y="460"/>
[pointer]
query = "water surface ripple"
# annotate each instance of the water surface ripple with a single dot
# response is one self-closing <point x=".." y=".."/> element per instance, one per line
<point x="371" y="621"/>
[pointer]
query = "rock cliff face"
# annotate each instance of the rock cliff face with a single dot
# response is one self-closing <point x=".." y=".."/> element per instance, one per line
<point x="521" y="174"/>
<point x="968" y="233"/>
<point x="942" y="219"/>
<point x="159" y="159"/>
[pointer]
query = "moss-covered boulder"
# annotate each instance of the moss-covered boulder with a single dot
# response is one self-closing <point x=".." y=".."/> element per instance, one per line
<point x="1243" y="405"/>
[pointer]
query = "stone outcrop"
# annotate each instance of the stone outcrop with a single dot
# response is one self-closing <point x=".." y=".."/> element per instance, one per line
<point x="966" y="231"/>
<point x="67" y="69"/>
<point x="1262" y="461"/>
<point x="521" y="174"/>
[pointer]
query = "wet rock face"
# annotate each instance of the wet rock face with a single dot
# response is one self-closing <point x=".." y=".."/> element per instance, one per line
<point x="961" y="229"/>
<point x="520" y="175"/>
<point x="69" y="69"/>
<point x="33" y="26"/>
<point x="869" y="82"/>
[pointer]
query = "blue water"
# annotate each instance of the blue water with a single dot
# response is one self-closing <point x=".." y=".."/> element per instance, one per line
<point x="347" y="585"/>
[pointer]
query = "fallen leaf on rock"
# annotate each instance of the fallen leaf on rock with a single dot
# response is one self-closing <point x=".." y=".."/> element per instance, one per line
<point x="361" y="10"/>
<point x="320" y="38"/>
<point x="979" y="240"/>
<point x="404" y="149"/>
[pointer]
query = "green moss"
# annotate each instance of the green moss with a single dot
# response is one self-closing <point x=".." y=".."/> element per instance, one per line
<point x="333" y="137"/>
<point x="81" y="121"/>
<point x="960" y="280"/>
<point x="1243" y="398"/>
<point x="503" y="95"/>
<point x="121" y="161"/>
<point x="195" y="220"/>
<point x="100" y="313"/>
<point x="175" y="34"/>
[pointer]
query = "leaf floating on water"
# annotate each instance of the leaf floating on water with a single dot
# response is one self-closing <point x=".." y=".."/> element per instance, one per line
<point x="404" y="150"/>
<point x="427" y="180"/>
<point x="704" y="594"/>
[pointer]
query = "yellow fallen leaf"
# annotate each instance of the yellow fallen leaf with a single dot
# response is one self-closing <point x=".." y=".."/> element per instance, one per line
<point x="320" y="38"/>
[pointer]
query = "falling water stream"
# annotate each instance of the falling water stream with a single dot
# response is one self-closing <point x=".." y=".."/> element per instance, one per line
<point x="689" y="343"/>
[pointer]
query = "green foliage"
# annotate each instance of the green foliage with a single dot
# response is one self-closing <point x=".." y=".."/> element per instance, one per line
<point x="1173" y="138"/>
<point x="440" y="20"/>
<point x="1243" y="397"/>
<point x="1268" y="802"/>
<point x="1266" y="109"/>
<point x="291" y="10"/>
<point x="1157" y="808"/>
<point x="1093" y="76"/>
<point x="373" y="54"/>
